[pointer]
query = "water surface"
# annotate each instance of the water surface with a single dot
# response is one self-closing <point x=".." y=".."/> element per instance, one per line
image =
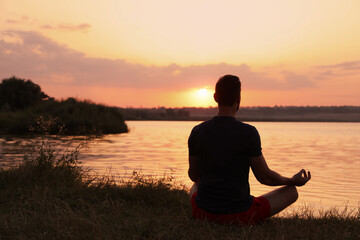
<point x="329" y="150"/>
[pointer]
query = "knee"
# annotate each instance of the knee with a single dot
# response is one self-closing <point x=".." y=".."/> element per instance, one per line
<point x="194" y="188"/>
<point x="293" y="193"/>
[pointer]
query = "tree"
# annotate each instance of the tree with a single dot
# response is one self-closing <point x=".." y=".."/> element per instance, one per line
<point x="16" y="93"/>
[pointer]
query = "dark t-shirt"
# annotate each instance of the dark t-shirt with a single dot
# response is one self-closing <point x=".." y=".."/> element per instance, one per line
<point x="223" y="146"/>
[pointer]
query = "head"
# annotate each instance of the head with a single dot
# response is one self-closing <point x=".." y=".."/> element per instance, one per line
<point x="227" y="91"/>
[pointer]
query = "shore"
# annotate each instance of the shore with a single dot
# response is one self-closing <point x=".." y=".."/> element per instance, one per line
<point x="266" y="114"/>
<point x="51" y="197"/>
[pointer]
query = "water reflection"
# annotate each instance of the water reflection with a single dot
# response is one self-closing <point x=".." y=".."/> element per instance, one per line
<point x="329" y="150"/>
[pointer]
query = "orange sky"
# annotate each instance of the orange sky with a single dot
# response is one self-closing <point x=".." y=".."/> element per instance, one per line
<point x="161" y="53"/>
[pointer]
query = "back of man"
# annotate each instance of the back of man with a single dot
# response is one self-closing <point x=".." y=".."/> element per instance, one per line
<point x="221" y="151"/>
<point x="223" y="146"/>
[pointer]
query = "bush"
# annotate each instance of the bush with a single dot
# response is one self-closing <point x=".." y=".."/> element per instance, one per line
<point x="70" y="117"/>
<point x="22" y="103"/>
<point x="83" y="117"/>
<point x="17" y="93"/>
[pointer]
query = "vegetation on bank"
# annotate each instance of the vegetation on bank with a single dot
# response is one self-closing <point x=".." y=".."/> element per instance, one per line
<point x="22" y="104"/>
<point x="50" y="196"/>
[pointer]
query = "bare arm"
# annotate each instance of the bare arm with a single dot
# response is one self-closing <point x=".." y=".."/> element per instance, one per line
<point x="269" y="177"/>
<point x="194" y="171"/>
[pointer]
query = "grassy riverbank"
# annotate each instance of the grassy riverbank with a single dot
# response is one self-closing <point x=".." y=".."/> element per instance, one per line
<point x="70" y="117"/>
<point x="23" y="107"/>
<point x="52" y="197"/>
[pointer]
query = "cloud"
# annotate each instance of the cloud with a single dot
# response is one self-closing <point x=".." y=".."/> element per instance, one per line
<point x="21" y="20"/>
<point x="12" y="21"/>
<point x="84" y="27"/>
<point x="295" y="80"/>
<point x="349" y="66"/>
<point x="25" y="20"/>
<point x="343" y="71"/>
<point x="40" y="58"/>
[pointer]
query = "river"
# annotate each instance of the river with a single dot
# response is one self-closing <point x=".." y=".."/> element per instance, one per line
<point x="329" y="150"/>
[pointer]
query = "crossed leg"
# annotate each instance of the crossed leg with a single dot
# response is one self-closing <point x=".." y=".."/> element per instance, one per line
<point x="281" y="198"/>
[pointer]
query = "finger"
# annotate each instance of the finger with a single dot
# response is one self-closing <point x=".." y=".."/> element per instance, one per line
<point x="309" y="175"/>
<point x="303" y="172"/>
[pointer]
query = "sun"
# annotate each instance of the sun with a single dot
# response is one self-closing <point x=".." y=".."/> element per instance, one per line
<point x="202" y="97"/>
<point x="202" y="93"/>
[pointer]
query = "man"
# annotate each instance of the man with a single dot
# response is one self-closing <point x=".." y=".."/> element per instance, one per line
<point x="221" y="152"/>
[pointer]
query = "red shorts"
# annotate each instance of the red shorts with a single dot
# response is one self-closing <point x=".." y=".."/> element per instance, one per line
<point x="258" y="211"/>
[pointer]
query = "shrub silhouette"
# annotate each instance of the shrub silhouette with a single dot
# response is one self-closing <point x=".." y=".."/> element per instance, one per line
<point x="22" y="104"/>
<point x="16" y="94"/>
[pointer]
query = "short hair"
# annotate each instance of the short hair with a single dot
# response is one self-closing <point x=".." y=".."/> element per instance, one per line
<point x="227" y="90"/>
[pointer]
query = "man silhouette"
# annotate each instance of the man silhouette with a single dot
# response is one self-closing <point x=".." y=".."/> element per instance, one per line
<point x="221" y="152"/>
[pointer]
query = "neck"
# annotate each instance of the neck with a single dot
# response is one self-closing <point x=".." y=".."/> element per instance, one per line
<point x="227" y="111"/>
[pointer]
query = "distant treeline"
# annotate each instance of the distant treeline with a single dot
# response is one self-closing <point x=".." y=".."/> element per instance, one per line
<point x="25" y="108"/>
<point x="277" y="113"/>
<point x="160" y="113"/>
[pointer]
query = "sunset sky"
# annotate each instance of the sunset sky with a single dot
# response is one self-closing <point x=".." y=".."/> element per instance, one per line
<point x="171" y="53"/>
